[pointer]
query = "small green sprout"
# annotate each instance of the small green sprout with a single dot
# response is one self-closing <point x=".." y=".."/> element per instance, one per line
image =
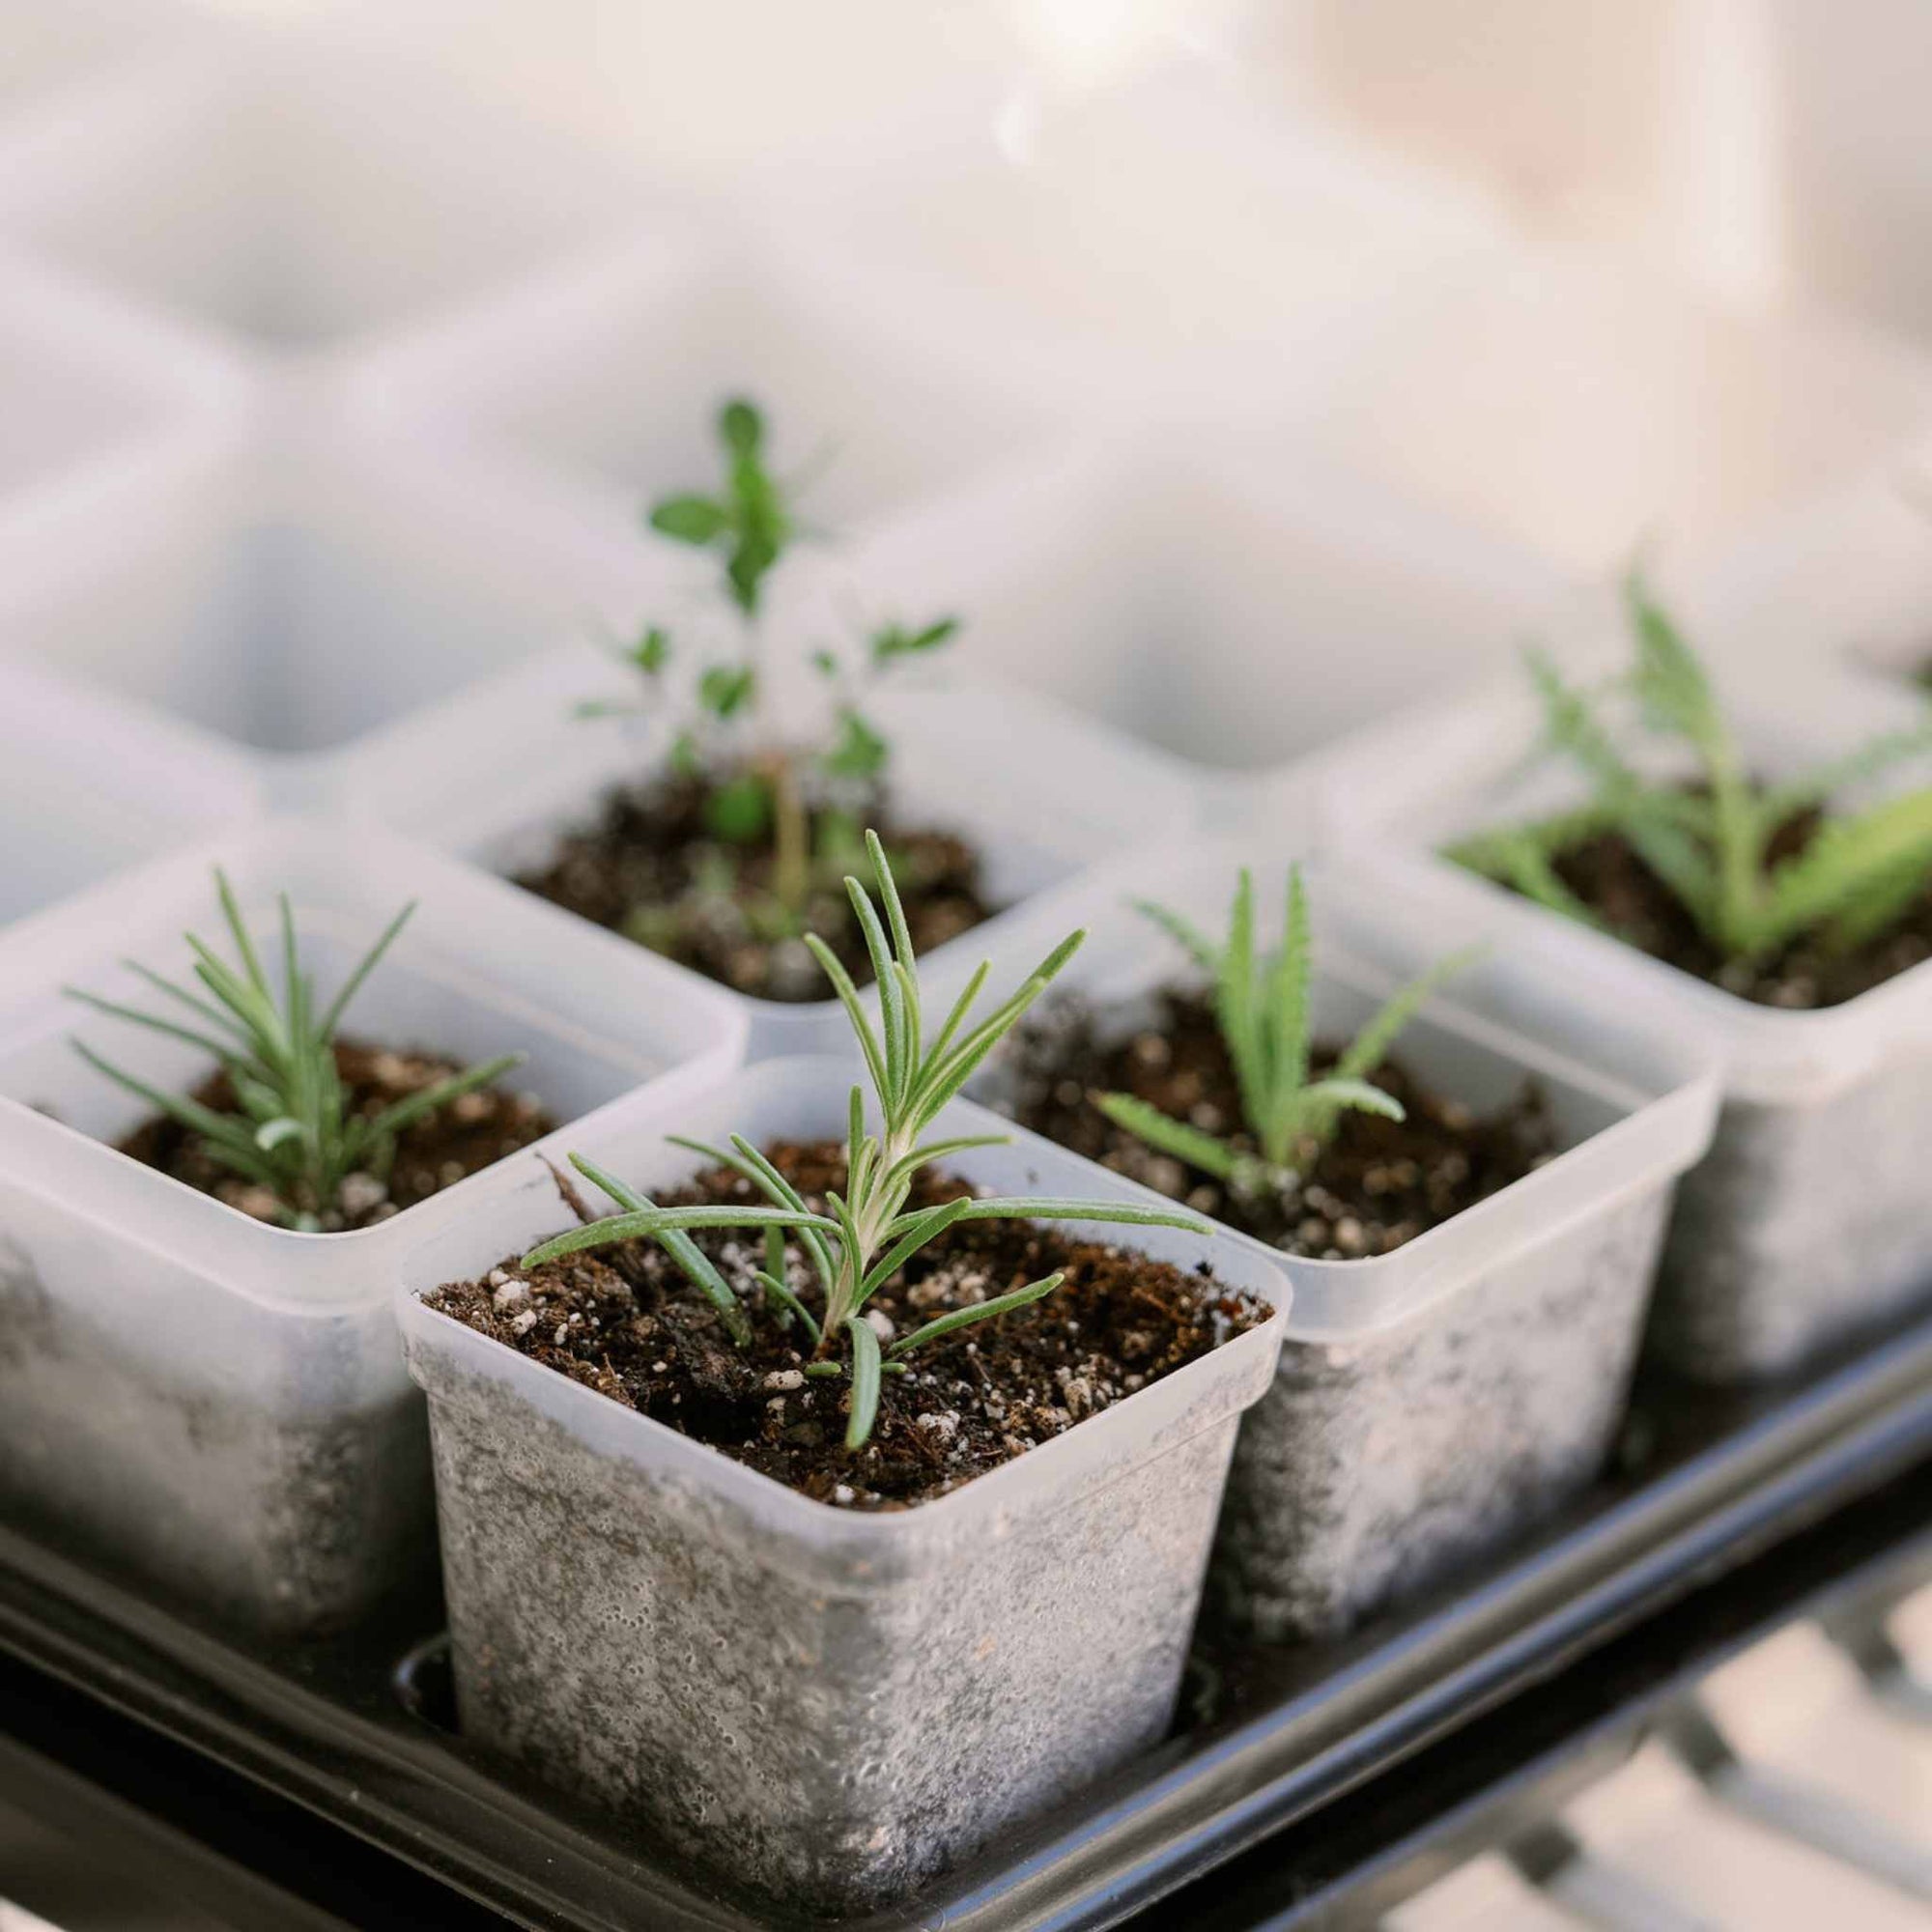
<point x="866" y="1235"/>
<point x="749" y="521"/>
<point x="1264" y="1013"/>
<point x="763" y="790"/>
<point x="291" y="1130"/>
<point x="1712" y="845"/>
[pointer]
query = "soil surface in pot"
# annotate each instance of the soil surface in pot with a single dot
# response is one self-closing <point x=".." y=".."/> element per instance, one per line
<point x="626" y="1322"/>
<point x="472" y="1132"/>
<point x="1377" y="1185"/>
<point x="1609" y="876"/>
<point x="652" y="865"/>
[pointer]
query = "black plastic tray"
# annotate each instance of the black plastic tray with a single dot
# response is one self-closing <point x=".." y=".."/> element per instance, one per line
<point x="355" y="1732"/>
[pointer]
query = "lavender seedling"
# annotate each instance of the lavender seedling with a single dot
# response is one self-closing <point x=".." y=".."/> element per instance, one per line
<point x="1711" y="844"/>
<point x="290" y="1132"/>
<point x="1262" y="1009"/>
<point x="866" y="1235"/>
<point x="768" y="791"/>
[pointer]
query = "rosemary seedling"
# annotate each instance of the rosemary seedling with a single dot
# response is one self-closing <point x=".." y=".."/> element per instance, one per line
<point x="867" y="1233"/>
<point x="764" y="785"/>
<point x="1711" y="843"/>
<point x="1262" y="1008"/>
<point x="291" y="1130"/>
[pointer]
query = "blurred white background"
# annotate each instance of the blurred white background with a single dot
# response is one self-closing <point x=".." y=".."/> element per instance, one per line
<point x="1244" y="370"/>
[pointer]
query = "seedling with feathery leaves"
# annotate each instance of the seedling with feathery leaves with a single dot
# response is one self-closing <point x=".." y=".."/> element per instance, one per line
<point x="1711" y="843"/>
<point x="292" y="1129"/>
<point x="1263" y="1008"/>
<point x="866" y="1233"/>
<point x="750" y="523"/>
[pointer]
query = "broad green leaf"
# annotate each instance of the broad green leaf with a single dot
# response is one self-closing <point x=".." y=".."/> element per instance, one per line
<point x="726" y="690"/>
<point x="741" y="427"/>
<point x="652" y="651"/>
<point x="691" y="520"/>
<point x="739" y="810"/>
<point x="857" y="749"/>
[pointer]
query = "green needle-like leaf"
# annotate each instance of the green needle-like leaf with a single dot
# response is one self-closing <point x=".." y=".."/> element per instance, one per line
<point x="366" y="965"/>
<point x="426" y="1101"/>
<point x="1268" y="1010"/>
<point x="1189" y="937"/>
<point x="1166" y="1135"/>
<point x="1357" y="1095"/>
<point x="1370" y="1047"/>
<point x="865" y="1366"/>
<point x="866" y="1233"/>
<point x="222" y="1049"/>
<point x="288" y="1130"/>
<point x="1123" y="1214"/>
<point x="964" y="1318"/>
<point x="1709" y="845"/>
<point x="776" y="1289"/>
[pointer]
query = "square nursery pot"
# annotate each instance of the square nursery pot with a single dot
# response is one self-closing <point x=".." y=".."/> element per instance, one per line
<point x="1809" y="1224"/>
<point x="284" y="189"/>
<point x="877" y="392"/>
<point x="1138" y="577"/>
<point x="213" y="1404"/>
<point x="1432" y="1404"/>
<point x="297" y="587"/>
<point x="822" y="1705"/>
<point x="150" y="786"/>
<point x="1046" y="793"/>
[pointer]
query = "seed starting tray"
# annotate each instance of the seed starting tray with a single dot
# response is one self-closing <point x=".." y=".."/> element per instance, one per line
<point x="360" y="1731"/>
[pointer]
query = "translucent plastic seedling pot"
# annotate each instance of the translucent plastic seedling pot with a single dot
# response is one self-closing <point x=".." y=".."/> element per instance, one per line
<point x="1432" y="1404"/>
<point x="1140" y="579"/>
<point x="100" y="407"/>
<point x="148" y="785"/>
<point x="293" y="193"/>
<point x="1809" y="1224"/>
<point x="292" y="592"/>
<point x="874" y="399"/>
<point x="1846" y="580"/>
<point x="824" y="1705"/>
<point x="1043" y="793"/>
<point x="210" y="1403"/>
<point x="1585" y="407"/>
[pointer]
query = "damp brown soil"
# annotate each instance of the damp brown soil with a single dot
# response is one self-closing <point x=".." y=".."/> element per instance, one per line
<point x="1378" y="1185"/>
<point x="469" y="1133"/>
<point x="1608" y="875"/>
<point x="650" y="866"/>
<point x="625" y="1323"/>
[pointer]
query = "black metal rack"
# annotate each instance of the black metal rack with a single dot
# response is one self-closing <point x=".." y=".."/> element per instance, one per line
<point x="1322" y="1783"/>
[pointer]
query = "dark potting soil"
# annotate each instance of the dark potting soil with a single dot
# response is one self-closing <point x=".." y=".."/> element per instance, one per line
<point x="1377" y="1185"/>
<point x="626" y="1322"/>
<point x="650" y="866"/>
<point x="1609" y="876"/>
<point x="471" y="1132"/>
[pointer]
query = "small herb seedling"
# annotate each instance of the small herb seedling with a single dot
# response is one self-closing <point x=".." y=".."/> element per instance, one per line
<point x="866" y="1235"/>
<point x="762" y="786"/>
<point x="291" y="1130"/>
<point x="1711" y="844"/>
<point x="1262" y="1009"/>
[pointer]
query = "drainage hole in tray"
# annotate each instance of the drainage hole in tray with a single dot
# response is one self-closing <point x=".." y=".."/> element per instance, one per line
<point x="423" y="1684"/>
